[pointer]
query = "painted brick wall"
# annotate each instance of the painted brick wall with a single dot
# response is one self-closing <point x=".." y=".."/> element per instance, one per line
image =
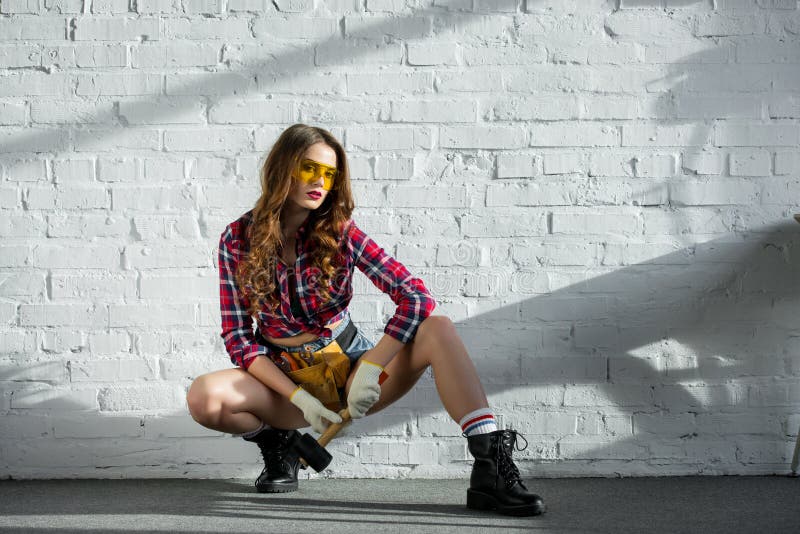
<point x="599" y="194"/>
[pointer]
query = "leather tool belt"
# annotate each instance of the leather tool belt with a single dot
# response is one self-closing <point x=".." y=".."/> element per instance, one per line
<point x="323" y="373"/>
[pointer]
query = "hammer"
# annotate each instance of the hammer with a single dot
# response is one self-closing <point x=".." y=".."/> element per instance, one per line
<point x="312" y="451"/>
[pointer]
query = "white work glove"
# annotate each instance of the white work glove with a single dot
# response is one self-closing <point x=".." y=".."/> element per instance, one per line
<point x="313" y="410"/>
<point x="364" y="390"/>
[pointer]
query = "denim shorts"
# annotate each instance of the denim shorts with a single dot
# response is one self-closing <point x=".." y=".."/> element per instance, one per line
<point x="358" y="346"/>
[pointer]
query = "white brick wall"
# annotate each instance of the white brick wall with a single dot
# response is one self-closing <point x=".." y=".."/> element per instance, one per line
<point x="599" y="193"/>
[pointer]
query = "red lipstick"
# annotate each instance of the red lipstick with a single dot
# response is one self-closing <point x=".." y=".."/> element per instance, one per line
<point x="314" y="194"/>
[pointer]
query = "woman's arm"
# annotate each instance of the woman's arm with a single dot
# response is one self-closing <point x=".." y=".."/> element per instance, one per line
<point x="385" y="351"/>
<point x="272" y="377"/>
<point x="414" y="301"/>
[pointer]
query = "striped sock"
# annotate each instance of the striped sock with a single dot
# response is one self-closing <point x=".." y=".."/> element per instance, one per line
<point x="253" y="433"/>
<point x="481" y="421"/>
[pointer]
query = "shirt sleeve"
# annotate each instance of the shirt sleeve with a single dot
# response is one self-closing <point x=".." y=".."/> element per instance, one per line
<point x="237" y="324"/>
<point x="414" y="301"/>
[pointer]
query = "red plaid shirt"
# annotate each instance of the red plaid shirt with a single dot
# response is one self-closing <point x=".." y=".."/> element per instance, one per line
<point x="414" y="302"/>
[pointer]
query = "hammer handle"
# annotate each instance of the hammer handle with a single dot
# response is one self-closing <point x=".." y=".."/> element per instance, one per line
<point x="334" y="428"/>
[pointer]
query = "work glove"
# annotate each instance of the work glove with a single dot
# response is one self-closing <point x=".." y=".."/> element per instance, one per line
<point x="365" y="389"/>
<point x="313" y="410"/>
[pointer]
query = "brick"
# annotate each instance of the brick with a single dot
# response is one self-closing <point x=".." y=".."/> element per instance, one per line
<point x="432" y="53"/>
<point x="757" y="163"/>
<point x="296" y="27"/>
<point x="663" y="135"/>
<point x="116" y="29"/>
<point x="377" y="27"/>
<point x="22" y="226"/>
<point x="114" y="140"/>
<point x="527" y="194"/>
<point x="486" y="137"/>
<point x="94" y="56"/>
<point x="562" y="163"/>
<point x="702" y="163"/>
<point x="119" y="84"/>
<point x="467" y="81"/>
<point x="538" y="108"/>
<point x="209" y="84"/>
<point x="506" y="54"/>
<point x="28" y="84"/>
<point x="714" y="192"/>
<point x="207" y="140"/>
<point x="357" y="53"/>
<point x="717" y="107"/>
<point x="152" y="198"/>
<point x="12" y="113"/>
<point x="150" y="55"/>
<point x="73" y="113"/>
<point x="574" y="134"/>
<point x="396" y="168"/>
<point x="743" y="134"/>
<point x="43" y="28"/>
<point x="111" y="370"/>
<point x="370" y="83"/>
<point x="427" y="196"/>
<point x="518" y="166"/>
<point x="578" y="223"/>
<point x="16" y="56"/>
<point x="655" y="165"/>
<point x="434" y="111"/>
<point x="787" y="163"/>
<point x="150" y="396"/>
<point x="384" y="138"/>
<point x="322" y="112"/>
<point x="56" y="399"/>
<point x="199" y="29"/>
<point x="718" y="25"/>
<point x="649" y="26"/>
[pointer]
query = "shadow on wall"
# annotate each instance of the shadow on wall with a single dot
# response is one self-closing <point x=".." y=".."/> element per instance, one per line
<point x="669" y="338"/>
<point x="679" y="341"/>
<point x="257" y="67"/>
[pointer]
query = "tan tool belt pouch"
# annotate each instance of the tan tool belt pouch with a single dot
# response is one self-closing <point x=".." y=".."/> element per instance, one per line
<point x="325" y="376"/>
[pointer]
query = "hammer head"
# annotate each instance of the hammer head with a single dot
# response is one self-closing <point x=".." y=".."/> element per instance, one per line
<point x="311" y="452"/>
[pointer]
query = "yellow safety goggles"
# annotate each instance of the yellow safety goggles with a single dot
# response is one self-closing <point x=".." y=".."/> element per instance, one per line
<point x="309" y="170"/>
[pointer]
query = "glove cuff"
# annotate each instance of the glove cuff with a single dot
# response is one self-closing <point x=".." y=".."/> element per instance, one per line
<point x="368" y="373"/>
<point x="301" y="398"/>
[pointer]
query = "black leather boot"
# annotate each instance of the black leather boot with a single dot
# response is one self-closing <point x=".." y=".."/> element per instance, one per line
<point x="495" y="483"/>
<point x="280" y="462"/>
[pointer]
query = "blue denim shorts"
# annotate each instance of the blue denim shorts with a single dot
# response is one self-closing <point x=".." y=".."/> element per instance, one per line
<point x="357" y="347"/>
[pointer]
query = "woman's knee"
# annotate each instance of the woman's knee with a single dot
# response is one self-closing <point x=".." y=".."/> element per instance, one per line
<point x="436" y="328"/>
<point x="204" y="406"/>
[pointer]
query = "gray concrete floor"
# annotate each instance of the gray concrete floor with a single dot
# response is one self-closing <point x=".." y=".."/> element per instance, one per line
<point x="575" y="505"/>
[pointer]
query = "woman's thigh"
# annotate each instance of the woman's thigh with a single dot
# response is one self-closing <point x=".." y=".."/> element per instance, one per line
<point x="214" y="395"/>
<point x="402" y="376"/>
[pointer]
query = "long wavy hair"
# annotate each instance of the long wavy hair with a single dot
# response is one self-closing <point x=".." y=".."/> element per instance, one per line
<point x="256" y="273"/>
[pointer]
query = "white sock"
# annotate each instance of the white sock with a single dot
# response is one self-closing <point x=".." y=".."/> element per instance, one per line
<point x="252" y="433"/>
<point x="480" y="421"/>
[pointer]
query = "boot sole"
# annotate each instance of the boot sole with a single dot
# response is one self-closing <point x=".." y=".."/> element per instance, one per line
<point x="482" y="501"/>
<point x="277" y="489"/>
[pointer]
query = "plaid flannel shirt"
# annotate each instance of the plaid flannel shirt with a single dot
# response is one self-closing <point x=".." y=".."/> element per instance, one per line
<point x="414" y="302"/>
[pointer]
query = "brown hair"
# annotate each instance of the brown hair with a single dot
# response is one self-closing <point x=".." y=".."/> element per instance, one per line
<point x="256" y="273"/>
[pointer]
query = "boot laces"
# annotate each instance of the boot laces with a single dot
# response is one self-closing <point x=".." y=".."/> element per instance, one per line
<point x="507" y="443"/>
<point x="274" y="451"/>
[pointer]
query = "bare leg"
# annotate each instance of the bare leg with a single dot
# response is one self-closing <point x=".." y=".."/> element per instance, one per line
<point x="233" y="401"/>
<point x="436" y="343"/>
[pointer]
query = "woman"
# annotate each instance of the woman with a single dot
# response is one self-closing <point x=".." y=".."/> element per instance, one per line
<point x="289" y="261"/>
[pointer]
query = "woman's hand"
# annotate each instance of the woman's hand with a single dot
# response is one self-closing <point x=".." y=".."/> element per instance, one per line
<point x="313" y="410"/>
<point x="365" y="389"/>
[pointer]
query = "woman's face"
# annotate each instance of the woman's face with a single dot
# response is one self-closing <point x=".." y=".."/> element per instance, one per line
<point x="299" y="194"/>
